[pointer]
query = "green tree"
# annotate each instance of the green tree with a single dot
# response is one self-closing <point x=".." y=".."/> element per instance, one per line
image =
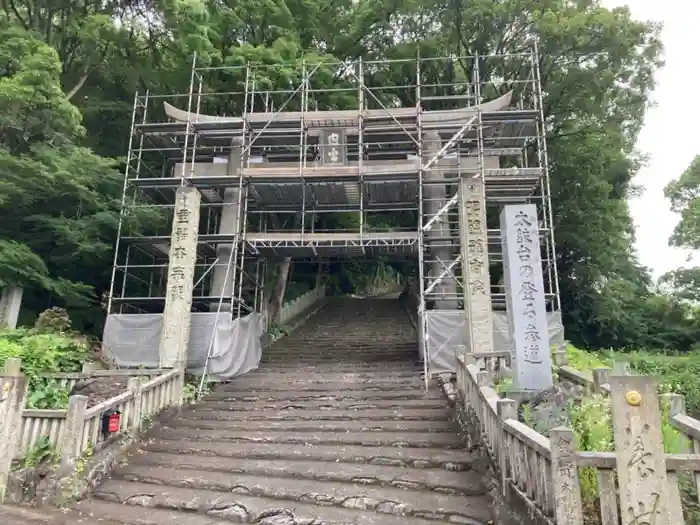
<point x="684" y="196"/>
<point x="58" y="205"/>
<point x="597" y="69"/>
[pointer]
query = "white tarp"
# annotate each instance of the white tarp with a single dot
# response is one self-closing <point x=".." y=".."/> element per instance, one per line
<point x="447" y="329"/>
<point x="133" y="339"/>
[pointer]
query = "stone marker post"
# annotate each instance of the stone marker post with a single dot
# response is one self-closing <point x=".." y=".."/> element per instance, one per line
<point x="13" y="393"/>
<point x="177" y="314"/>
<point x="10" y="304"/>
<point x="475" y="264"/>
<point x="568" y="508"/>
<point x="72" y="442"/>
<point x="641" y="464"/>
<point x="527" y="314"/>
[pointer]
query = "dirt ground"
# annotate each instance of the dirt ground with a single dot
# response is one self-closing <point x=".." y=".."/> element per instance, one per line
<point x="100" y="389"/>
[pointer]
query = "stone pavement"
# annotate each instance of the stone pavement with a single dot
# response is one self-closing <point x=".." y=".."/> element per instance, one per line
<point x="335" y="429"/>
<point x="47" y="516"/>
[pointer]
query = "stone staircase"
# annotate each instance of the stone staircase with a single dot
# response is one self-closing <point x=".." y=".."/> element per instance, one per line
<point x="335" y="429"/>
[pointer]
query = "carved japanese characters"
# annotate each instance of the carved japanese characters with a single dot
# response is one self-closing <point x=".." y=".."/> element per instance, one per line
<point x="525" y="300"/>
<point x="178" y="301"/>
<point x="475" y="264"/>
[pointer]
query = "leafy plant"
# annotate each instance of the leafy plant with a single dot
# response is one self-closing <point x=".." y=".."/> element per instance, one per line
<point x="41" y="452"/>
<point x="586" y="361"/>
<point x="43" y="353"/>
<point x="276" y="331"/>
<point x="189" y="393"/>
<point x="47" y="395"/>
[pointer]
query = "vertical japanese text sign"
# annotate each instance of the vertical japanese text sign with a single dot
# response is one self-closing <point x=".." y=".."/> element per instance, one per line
<point x="527" y="315"/>
<point x="475" y="262"/>
<point x="183" y="256"/>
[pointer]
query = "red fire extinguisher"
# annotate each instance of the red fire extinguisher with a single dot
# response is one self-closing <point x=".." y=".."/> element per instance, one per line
<point x="111" y="422"/>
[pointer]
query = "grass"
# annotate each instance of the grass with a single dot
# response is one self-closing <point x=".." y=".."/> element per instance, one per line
<point x="591" y="418"/>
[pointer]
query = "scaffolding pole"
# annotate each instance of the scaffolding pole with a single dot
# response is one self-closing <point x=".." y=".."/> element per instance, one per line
<point x="122" y="209"/>
<point x="422" y="315"/>
<point x="544" y="163"/>
<point x="312" y="188"/>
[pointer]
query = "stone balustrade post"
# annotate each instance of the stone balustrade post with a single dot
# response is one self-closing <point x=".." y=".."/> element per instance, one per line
<point x="13" y="394"/>
<point x="135" y="386"/>
<point x="72" y="443"/>
<point x="601" y="376"/>
<point x="647" y="493"/>
<point x="506" y="409"/>
<point x="568" y="507"/>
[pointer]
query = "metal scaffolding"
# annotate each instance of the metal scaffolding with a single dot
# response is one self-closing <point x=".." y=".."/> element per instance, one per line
<point x="295" y="145"/>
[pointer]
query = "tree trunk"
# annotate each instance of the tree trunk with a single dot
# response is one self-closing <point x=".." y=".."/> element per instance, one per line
<point x="277" y="296"/>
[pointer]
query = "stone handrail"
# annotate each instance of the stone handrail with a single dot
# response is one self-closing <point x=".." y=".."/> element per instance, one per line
<point x="77" y="430"/>
<point x="521" y="457"/>
<point x="142" y="400"/>
<point x="68" y="380"/>
<point x="37" y="425"/>
<point x="604" y="463"/>
<point x="298" y="306"/>
<point x="528" y="468"/>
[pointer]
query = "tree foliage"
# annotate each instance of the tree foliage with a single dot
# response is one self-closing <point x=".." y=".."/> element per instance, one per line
<point x="78" y="57"/>
<point x="684" y="196"/>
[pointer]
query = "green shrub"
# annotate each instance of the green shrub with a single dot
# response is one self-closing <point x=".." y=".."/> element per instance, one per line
<point x="584" y="361"/>
<point x="47" y="394"/>
<point x="678" y="374"/>
<point x="591" y="419"/>
<point x="44" y="353"/>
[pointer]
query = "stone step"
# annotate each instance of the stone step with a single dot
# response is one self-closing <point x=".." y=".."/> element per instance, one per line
<point x="249" y="509"/>
<point x="316" y="426"/>
<point x="264" y="375"/>
<point x="336" y="362"/>
<point x="189" y="496"/>
<point x="320" y="368"/>
<point x="346" y="357"/>
<point x="378" y="342"/>
<point x="339" y="395"/>
<point x="365" y="439"/>
<point x="467" y="483"/>
<point x="362" y="414"/>
<point x="448" y="459"/>
<point x="136" y="515"/>
<point x="15" y="515"/>
<point x="250" y="388"/>
<point x="321" y="349"/>
<point x="368" y="346"/>
<point x="323" y="404"/>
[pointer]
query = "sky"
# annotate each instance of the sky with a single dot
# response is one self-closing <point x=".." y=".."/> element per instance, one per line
<point x="669" y="136"/>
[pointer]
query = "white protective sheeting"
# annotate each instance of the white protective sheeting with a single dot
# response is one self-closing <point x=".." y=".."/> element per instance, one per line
<point x="132" y="340"/>
<point x="447" y="329"/>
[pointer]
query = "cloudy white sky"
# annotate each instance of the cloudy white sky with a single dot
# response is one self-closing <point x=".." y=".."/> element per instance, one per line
<point x="670" y="134"/>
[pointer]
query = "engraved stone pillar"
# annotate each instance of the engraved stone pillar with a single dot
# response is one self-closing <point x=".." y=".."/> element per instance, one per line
<point x="475" y="264"/>
<point x="641" y="462"/>
<point x="434" y="195"/>
<point x="222" y="283"/>
<point x="10" y="304"/>
<point x="527" y="315"/>
<point x="565" y="477"/>
<point x="177" y="313"/>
